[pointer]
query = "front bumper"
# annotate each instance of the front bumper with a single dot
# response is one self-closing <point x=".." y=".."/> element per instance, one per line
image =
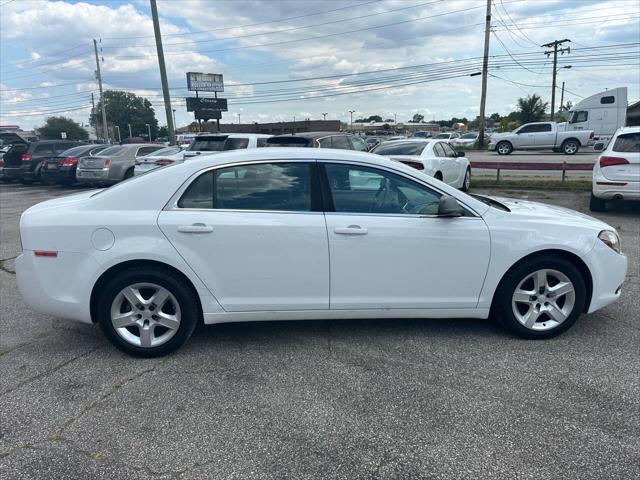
<point x="608" y="272"/>
<point x="45" y="283"/>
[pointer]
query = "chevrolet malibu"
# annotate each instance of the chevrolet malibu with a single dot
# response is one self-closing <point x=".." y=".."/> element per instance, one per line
<point x="297" y="234"/>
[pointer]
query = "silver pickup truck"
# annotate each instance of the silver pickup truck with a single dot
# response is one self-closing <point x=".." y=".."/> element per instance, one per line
<point x="541" y="136"/>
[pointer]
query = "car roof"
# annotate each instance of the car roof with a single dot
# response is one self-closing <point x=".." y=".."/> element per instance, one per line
<point x="312" y="134"/>
<point x="633" y="129"/>
<point x="233" y="135"/>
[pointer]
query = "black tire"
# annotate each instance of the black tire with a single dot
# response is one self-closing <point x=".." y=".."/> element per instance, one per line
<point x="505" y="151"/>
<point x="25" y="181"/>
<point x="570" y="147"/>
<point x="556" y="150"/>
<point x="185" y="296"/>
<point x="466" y="184"/>
<point x="128" y="173"/>
<point x="503" y="298"/>
<point x="438" y="176"/>
<point x="597" y="204"/>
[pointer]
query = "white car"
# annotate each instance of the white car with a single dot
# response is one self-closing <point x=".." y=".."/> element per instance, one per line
<point x="465" y="140"/>
<point x="447" y="136"/>
<point x="616" y="173"/>
<point x="433" y="157"/>
<point x="210" y="143"/>
<point x="281" y="234"/>
<point x="159" y="158"/>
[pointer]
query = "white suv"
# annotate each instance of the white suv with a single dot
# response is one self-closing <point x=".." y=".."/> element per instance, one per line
<point x="616" y="174"/>
<point x="208" y="143"/>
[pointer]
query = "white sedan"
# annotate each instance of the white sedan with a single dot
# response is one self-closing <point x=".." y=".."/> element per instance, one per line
<point x="283" y="234"/>
<point x="159" y="158"/>
<point x="434" y="157"/>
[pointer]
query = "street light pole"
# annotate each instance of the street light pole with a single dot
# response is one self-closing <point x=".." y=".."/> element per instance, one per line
<point x="351" y="112"/>
<point x="163" y="72"/>
<point x="148" y="130"/>
<point x="324" y="116"/>
<point x="174" y="117"/>
<point x="238" y="119"/>
<point x="130" y="134"/>
<point x="119" y="138"/>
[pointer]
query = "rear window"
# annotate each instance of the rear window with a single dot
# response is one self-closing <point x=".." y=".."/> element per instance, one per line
<point x="236" y="143"/>
<point x="400" y="148"/>
<point x="443" y="135"/>
<point x="469" y="135"/>
<point x="208" y="144"/>
<point x="166" y="151"/>
<point x="288" y="142"/>
<point x="117" y="150"/>
<point x="74" y="151"/>
<point x="627" y="142"/>
<point x="43" y="149"/>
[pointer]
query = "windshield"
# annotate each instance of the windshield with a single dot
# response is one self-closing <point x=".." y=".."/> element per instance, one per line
<point x="400" y="148"/>
<point x="117" y="150"/>
<point x="75" y="151"/>
<point x="469" y="135"/>
<point x="443" y="135"/>
<point x="164" y="151"/>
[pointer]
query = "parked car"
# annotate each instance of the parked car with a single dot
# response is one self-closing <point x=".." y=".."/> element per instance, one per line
<point x="280" y="233"/>
<point x="616" y="173"/>
<point x="210" y="143"/>
<point x="62" y="168"/>
<point x="396" y="137"/>
<point x="447" y="136"/>
<point x="465" y="140"/>
<point x="113" y="164"/>
<point x="159" y="158"/>
<point x="422" y="134"/>
<point x="28" y="166"/>
<point x="372" y="142"/>
<point x="437" y="159"/>
<point x="338" y="140"/>
<point x="540" y="136"/>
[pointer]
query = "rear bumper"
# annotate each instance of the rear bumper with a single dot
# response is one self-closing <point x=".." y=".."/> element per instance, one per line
<point x="61" y="175"/>
<point x="44" y="283"/>
<point x="607" y="189"/>
<point x="93" y="176"/>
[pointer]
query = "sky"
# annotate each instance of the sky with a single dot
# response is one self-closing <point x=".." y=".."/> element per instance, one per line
<point x="301" y="58"/>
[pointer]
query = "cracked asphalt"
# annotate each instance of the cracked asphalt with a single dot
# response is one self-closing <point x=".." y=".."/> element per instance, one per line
<point x="383" y="399"/>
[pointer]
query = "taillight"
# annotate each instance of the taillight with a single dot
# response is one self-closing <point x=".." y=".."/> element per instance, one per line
<point x="163" y="161"/>
<point x="45" y="253"/>
<point x="26" y="157"/>
<point x="611" y="161"/>
<point x="1" y="163"/>
<point x="592" y="134"/>
<point x="68" y="162"/>
<point x="107" y="162"/>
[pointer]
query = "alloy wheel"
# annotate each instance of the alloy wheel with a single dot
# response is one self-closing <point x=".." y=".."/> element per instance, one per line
<point x="503" y="148"/>
<point x="145" y="315"/>
<point x="543" y="299"/>
<point x="570" y="148"/>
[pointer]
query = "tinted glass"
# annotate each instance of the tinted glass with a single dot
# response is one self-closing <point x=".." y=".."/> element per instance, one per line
<point x="400" y="148"/>
<point x="96" y="151"/>
<point x="581" y="116"/>
<point x="442" y="135"/>
<point x="325" y="142"/>
<point x="236" y="143"/>
<point x="469" y="135"/>
<point x="544" y="127"/>
<point x="43" y="149"/>
<point x="166" y="151"/>
<point x="356" y="189"/>
<point x="199" y="194"/>
<point x="117" y="150"/>
<point x="71" y="152"/>
<point x="438" y="150"/>
<point x="341" y="142"/>
<point x="358" y="144"/>
<point x="291" y="141"/>
<point x="448" y="151"/>
<point x="147" y="151"/>
<point x="208" y="144"/>
<point x="261" y="142"/>
<point x="627" y="142"/>
<point x="609" y="99"/>
<point x="528" y="129"/>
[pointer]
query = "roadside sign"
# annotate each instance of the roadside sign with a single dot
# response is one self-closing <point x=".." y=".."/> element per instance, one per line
<point x="63" y="135"/>
<point x="199" y="103"/>
<point x="208" y="114"/>
<point x="204" y="82"/>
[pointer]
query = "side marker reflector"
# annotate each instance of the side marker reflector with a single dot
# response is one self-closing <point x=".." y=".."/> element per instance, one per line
<point x="45" y="253"/>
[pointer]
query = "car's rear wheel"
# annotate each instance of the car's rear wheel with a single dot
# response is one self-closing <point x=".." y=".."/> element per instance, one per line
<point x="438" y="176"/>
<point x="466" y="183"/>
<point x="540" y="298"/>
<point x="504" y="148"/>
<point x="570" y="147"/>
<point x="597" y="204"/>
<point x="147" y="312"/>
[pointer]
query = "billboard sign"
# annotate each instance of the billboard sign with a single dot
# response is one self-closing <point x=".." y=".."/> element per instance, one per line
<point x="208" y="114"/>
<point x="204" y="82"/>
<point x="199" y="103"/>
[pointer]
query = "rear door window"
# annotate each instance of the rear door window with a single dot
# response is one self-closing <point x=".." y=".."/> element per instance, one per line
<point x="236" y="143"/>
<point x="449" y="152"/>
<point x="400" y="148"/>
<point x="326" y="142"/>
<point x="439" y="150"/>
<point x="45" y="149"/>
<point x="627" y="142"/>
<point x="341" y="142"/>
<point x="142" y="151"/>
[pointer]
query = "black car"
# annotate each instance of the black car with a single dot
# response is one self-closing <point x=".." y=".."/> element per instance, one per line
<point x="343" y="141"/>
<point x="62" y="168"/>
<point x="28" y="165"/>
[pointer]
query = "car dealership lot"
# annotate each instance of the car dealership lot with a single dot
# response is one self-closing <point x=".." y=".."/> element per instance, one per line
<point x="327" y="399"/>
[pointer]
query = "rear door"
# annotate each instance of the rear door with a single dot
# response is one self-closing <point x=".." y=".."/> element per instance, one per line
<point x="452" y="165"/>
<point x="545" y="135"/>
<point x="255" y="234"/>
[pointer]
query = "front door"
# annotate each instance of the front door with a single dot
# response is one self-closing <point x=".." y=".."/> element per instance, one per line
<point x="389" y="250"/>
<point x="255" y="236"/>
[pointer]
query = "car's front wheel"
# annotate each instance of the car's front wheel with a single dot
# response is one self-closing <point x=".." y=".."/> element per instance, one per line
<point x="504" y="148"/>
<point x="540" y="298"/>
<point x="147" y="312"/>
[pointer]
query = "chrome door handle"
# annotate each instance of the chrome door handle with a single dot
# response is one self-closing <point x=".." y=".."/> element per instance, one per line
<point x="351" y="230"/>
<point x="195" y="228"/>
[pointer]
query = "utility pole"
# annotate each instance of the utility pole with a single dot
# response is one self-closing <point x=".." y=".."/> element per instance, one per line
<point x="485" y="69"/>
<point x="238" y="119"/>
<point x="105" y="132"/>
<point x="324" y="116"/>
<point x="555" y="44"/>
<point x="351" y="112"/>
<point x="562" y="98"/>
<point x="148" y="130"/>
<point x="163" y="73"/>
<point x="174" y="117"/>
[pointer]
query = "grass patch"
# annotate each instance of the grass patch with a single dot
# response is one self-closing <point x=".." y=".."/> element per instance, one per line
<point x="533" y="184"/>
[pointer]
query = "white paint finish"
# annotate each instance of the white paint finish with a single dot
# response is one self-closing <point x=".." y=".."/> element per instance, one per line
<point x="102" y="239"/>
<point x="625" y="177"/>
<point x="520" y="138"/>
<point x="256" y="260"/>
<point x="405" y="262"/>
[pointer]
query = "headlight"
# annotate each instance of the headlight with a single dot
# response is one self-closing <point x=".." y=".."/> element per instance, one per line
<point x="610" y="239"/>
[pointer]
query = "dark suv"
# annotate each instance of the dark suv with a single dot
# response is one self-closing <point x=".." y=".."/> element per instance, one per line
<point x="27" y="166"/>
<point x="342" y="141"/>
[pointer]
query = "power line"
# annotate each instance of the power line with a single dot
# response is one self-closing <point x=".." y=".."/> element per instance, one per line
<point x="515" y="24"/>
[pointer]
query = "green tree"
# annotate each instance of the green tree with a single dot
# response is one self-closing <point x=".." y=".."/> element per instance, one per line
<point x="531" y="109"/>
<point x="163" y="132"/>
<point x="124" y="109"/>
<point x="54" y="126"/>
<point x="495" y="117"/>
<point x="417" y="118"/>
<point x="390" y="120"/>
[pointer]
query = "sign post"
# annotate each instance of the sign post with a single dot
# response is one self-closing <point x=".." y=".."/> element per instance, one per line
<point x="206" y="108"/>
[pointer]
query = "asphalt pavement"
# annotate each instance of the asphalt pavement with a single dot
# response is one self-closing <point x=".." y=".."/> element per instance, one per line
<point x="365" y="399"/>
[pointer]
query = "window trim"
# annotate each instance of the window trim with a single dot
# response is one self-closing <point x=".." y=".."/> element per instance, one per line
<point x="315" y="189"/>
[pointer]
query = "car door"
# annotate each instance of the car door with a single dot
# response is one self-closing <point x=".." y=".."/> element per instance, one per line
<point x="545" y="137"/>
<point x="389" y="250"/>
<point x="525" y="137"/>
<point x="441" y="158"/>
<point x="451" y="165"/>
<point x="255" y="235"/>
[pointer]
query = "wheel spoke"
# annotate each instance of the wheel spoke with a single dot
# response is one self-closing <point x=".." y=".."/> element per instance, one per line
<point x="522" y="296"/>
<point x="124" y="320"/>
<point x="555" y="313"/>
<point x="540" y="280"/>
<point x="146" y="335"/>
<point x="530" y="317"/>
<point x="133" y="296"/>
<point x="169" y="321"/>
<point x="561" y="289"/>
<point x="159" y="298"/>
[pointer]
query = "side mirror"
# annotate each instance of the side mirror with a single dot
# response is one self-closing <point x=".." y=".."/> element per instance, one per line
<point x="449" y="207"/>
<point x="598" y="147"/>
<point x="459" y="153"/>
